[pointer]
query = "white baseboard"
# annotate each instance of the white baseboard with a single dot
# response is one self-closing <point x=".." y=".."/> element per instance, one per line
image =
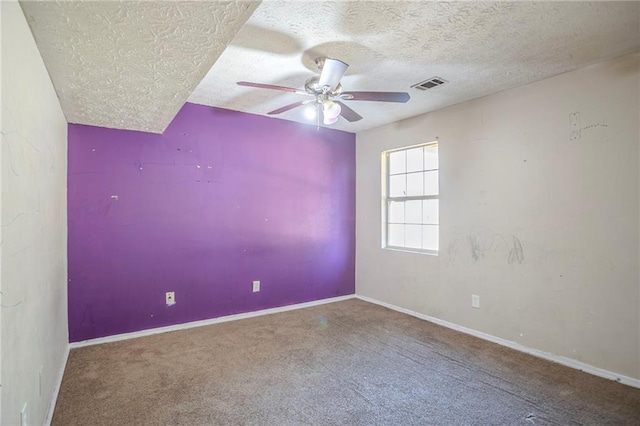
<point x="56" y="389"/>
<point x="630" y="381"/>
<point x="235" y="317"/>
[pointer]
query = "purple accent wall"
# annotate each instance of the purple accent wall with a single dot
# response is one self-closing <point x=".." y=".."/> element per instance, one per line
<point x="220" y="199"/>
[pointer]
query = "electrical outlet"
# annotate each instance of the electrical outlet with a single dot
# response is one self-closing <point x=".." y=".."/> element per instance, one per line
<point x="475" y="301"/>
<point x="256" y="286"/>
<point x="23" y="415"/>
<point x="170" y="298"/>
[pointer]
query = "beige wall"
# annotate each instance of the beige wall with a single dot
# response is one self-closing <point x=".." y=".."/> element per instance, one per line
<point x="34" y="226"/>
<point x="509" y="172"/>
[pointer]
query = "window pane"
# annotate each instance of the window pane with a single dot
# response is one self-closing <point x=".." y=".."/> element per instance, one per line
<point x="398" y="162"/>
<point x="430" y="237"/>
<point x="431" y="157"/>
<point x="415" y="159"/>
<point x="415" y="182"/>
<point x="431" y="183"/>
<point x="414" y="211"/>
<point x="398" y="186"/>
<point x="396" y="211"/>
<point x="413" y="237"/>
<point x="396" y="235"/>
<point x="430" y="212"/>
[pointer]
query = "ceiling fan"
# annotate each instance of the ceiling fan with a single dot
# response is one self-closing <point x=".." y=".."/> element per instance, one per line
<point x="327" y="94"/>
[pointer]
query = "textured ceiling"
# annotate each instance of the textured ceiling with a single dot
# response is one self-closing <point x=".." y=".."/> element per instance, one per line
<point x="132" y="65"/>
<point x="129" y="64"/>
<point x="478" y="47"/>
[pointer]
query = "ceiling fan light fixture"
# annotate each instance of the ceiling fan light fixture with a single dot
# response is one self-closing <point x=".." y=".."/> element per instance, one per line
<point x="328" y="120"/>
<point x="330" y="111"/>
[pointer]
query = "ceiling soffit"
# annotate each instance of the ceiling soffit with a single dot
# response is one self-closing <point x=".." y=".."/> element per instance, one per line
<point x="131" y="65"/>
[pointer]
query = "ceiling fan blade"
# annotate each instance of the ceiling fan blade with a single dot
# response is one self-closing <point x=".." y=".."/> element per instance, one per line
<point x="332" y="72"/>
<point x="288" y="107"/>
<point x="348" y="114"/>
<point x="376" y="96"/>
<point x="272" y="87"/>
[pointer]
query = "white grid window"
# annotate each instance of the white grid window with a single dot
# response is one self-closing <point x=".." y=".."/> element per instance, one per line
<point x="411" y="198"/>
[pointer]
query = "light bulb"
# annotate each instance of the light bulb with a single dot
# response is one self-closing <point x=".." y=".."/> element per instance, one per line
<point x="310" y="112"/>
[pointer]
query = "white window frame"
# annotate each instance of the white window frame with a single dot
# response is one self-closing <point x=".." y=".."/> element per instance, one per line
<point x="386" y="199"/>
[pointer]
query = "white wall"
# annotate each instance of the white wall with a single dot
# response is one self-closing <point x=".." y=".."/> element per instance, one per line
<point x="510" y="171"/>
<point x="34" y="226"/>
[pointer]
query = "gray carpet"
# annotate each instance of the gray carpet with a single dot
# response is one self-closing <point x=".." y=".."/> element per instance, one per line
<point x="345" y="363"/>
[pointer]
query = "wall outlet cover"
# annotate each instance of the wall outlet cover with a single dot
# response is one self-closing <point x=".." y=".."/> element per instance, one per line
<point x="256" y="286"/>
<point x="170" y="298"/>
<point x="475" y="301"/>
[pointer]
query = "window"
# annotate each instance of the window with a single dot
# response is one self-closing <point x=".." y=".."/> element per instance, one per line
<point x="410" y="198"/>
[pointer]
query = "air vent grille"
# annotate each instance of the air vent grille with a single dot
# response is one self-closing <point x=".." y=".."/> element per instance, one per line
<point x="429" y="84"/>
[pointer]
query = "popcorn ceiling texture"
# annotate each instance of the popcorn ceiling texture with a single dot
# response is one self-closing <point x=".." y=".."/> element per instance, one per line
<point x="131" y="65"/>
<point x="479" y="47"/>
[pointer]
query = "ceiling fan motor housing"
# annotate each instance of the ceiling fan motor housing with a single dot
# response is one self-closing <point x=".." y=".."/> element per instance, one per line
<point x="312" y="86"/>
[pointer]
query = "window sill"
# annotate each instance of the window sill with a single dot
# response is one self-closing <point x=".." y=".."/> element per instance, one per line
<point x="410" y="250"/>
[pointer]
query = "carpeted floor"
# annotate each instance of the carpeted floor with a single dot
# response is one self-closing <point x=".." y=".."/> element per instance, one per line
<point x="345" y="363"/>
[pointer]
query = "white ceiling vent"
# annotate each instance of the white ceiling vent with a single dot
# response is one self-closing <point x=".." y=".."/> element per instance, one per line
<point x="429" y="84"/>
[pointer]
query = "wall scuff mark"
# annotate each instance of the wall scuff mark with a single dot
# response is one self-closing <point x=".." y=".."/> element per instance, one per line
<point x="486" y="246"/>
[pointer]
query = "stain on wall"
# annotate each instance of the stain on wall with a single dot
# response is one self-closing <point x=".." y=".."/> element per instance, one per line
<point x="220" y="199"/>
